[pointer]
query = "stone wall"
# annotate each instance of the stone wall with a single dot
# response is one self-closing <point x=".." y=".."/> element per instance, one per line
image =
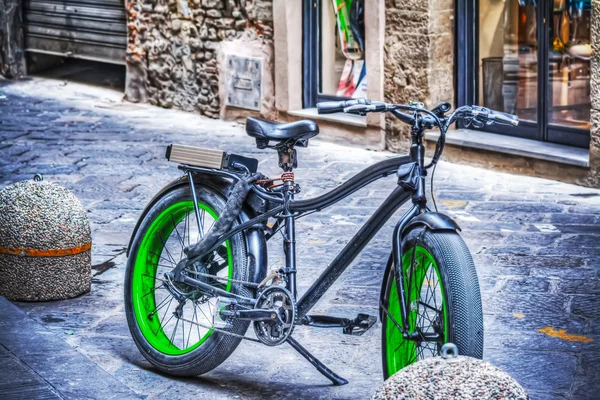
<point x="418" y="58"/>
<point x="593" y="178"/>
<point x="176" y="47"/>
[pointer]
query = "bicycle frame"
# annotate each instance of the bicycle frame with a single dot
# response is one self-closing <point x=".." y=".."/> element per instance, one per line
<point x="287" y="209"/>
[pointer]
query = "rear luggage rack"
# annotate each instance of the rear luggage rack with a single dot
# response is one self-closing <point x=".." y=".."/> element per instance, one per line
<point x="208" y="158"/>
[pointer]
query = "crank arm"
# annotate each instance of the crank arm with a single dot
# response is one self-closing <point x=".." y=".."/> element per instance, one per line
<point x="253" y="315"/>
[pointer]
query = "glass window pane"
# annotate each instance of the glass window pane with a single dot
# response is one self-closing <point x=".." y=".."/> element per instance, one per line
<point x="343" y="71"/>
<point x="569" y="64"/>
<point x="508" y="57"/>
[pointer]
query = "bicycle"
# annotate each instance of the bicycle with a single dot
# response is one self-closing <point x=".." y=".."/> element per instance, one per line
<point x="198" y="256"/>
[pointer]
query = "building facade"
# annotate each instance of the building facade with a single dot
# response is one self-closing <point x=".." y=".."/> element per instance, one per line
<point x="278" y="58"/>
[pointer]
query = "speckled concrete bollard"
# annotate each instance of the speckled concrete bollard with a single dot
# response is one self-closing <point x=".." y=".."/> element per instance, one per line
<point x="454" y="377"/>
<point x="45" y="243"/>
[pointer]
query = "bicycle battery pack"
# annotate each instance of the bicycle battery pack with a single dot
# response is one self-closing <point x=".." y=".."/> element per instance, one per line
<point x="208" y="158"/>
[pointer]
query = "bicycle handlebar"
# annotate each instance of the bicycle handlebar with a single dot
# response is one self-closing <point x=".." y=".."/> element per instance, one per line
<point x="491" y="116"/>
<point x="332" y="107"/>
<point x="482" y="115"/>
<point x="505" y="118"/>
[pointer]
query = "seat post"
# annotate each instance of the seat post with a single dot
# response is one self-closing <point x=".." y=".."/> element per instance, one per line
<point x="288" y="161"/>
<point x="287" y="157"/>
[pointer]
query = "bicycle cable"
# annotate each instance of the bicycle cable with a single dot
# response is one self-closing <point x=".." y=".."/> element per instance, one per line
<point x="431" y="187"/>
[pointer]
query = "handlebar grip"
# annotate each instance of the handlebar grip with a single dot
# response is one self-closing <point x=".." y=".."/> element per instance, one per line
<point x="505" y="118"/>
<point x="331" y="107"/>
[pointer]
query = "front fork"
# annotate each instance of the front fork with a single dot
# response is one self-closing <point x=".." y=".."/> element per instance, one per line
<point x="419" y="201"/>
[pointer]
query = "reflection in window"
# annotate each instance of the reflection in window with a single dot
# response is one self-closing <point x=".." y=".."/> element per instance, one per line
<point x="508" y="51"/>
<point x="508" y="57"/>
<point x="569" y="64"/>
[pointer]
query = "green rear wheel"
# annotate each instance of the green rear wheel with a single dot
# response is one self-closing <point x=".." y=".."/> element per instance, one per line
<point x="154" y="306"/>
<point x="171" y="322"/>
<point x="443" y="298"/>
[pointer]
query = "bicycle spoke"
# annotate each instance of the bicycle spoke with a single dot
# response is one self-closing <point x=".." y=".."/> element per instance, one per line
<point x="162" y="327"/>
<point x="160" y="256"/>
<point x="187" y="227"/>
<point x="154" y="290"/>
<point x="183" y="333"/>
<point x="196" y="316"/>
<point x="151" y="313"/>
<point x="165" y="247"/>
<point x="201" y="230"/>
<point x="202" y="311"/>
<point x="177" y="232"/>
<point x="178" y="236"/>
<point x="430" y="307"/>
<point x="153" y="277"/>
<point x="190" y="331"/>
<point x="173" y="334"/>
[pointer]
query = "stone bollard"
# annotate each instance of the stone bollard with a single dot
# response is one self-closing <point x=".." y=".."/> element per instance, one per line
<point x="45" y="243"/>
<point x="450" y="377"/>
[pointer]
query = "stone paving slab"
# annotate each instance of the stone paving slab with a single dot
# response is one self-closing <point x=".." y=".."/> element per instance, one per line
<point x="37" y="364"/>
<point x="535" y="242"/>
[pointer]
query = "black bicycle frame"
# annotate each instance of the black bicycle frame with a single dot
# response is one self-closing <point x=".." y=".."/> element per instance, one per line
<point x="287" y="209"/>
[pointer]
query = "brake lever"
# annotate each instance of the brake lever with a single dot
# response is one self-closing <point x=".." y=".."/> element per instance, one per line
<point x="359" y="109"/>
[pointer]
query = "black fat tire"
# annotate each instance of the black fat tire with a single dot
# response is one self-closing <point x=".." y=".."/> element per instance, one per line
<point x="217" y="347"/>
<point x="461" y="286"/>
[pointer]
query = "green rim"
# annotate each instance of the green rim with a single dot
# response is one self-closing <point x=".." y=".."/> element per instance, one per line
<point x="144" y="278"/>
<point x="398" y="351"/>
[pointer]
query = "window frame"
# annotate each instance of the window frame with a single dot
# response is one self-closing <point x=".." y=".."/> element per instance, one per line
<point x="467" y="76"/>
<point x="311" y="56"/>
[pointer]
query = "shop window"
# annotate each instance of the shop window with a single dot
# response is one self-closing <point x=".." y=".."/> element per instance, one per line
<point x="529" y="58"/>
<point x="334" y="50"/>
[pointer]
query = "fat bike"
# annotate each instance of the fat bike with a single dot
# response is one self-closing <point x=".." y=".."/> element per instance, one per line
<point x="197" y="272"/>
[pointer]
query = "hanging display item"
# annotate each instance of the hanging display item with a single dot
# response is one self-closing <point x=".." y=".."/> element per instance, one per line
<point x="349" y="16"/>
<point x="568" y="20"/>
<point x="348" y="43"/>
<point x="353" y="82"/>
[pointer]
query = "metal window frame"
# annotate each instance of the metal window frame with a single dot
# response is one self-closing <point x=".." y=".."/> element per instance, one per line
<point x="467" y="77"/>
<point x="311" y="56"/>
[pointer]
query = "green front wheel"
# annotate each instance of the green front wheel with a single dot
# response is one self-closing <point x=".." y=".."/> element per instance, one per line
<point x="443" y="299"/>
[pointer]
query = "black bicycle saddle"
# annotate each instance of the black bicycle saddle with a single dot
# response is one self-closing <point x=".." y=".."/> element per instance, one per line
<point x="296" y="133"/>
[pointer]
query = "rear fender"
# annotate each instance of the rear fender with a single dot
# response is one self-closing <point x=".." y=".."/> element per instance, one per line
<point x="255" y="240"/>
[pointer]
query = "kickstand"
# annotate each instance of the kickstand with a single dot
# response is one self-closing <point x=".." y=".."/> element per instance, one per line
<point x="332" y="376"/>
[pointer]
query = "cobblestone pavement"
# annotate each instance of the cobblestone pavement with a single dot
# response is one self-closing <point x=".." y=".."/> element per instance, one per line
<point x="535" y="243"/>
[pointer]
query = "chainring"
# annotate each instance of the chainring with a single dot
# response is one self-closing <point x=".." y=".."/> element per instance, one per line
<point x="275" y="332"/>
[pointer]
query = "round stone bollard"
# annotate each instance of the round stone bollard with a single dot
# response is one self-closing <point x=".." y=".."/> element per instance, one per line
<point x="450" y="377"/>
<point x="45" y="243"/>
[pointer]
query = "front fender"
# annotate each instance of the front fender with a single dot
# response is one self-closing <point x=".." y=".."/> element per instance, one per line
<point x="434" y="222"/>
<point x="255" y="240"/>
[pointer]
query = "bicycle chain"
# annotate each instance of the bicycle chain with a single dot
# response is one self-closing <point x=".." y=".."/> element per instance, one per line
<point x="245" y="283"/>
<point x="206" y="326"/>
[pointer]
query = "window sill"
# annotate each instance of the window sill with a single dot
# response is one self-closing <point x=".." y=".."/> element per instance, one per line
<point x="346" y="119"/>
<point x="516" y="146"/>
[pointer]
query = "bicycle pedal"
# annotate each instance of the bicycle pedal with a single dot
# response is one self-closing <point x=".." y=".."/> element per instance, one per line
<point x="359" y="325"/>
